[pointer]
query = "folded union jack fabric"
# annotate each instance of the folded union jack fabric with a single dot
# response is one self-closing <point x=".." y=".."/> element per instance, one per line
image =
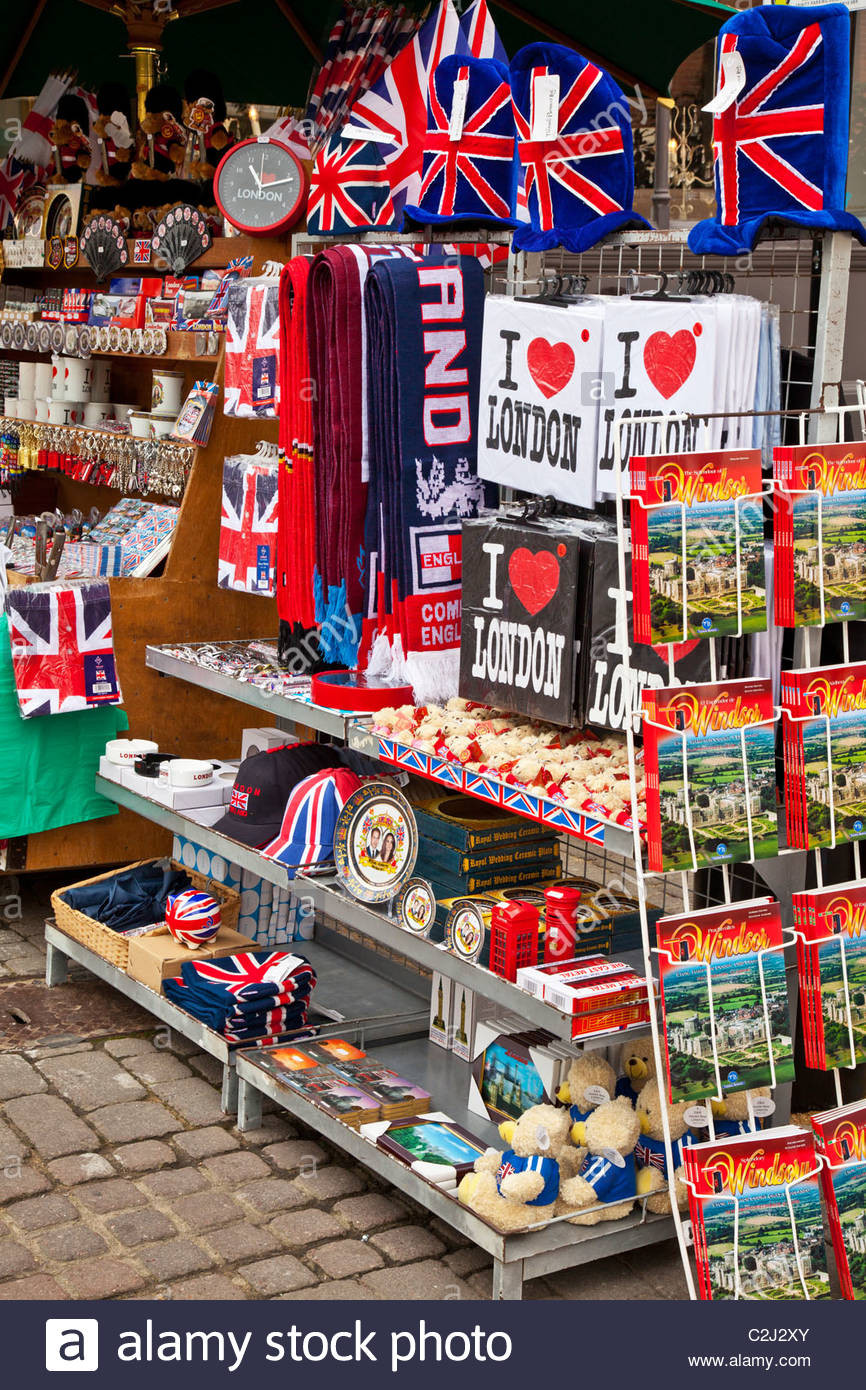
<point x="62" y="648"/>
<point x="216" y="991"/>
<point x="248" y="526"/>
<point x="781" y="141"/>
<point x="574" y="148"/>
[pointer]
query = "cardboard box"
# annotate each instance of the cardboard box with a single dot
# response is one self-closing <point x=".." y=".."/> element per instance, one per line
<point x="440" y="1010"/>
<point x="153" y="959"/>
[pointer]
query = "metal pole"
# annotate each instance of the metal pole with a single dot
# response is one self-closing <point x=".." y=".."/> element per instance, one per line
<point x="661" y="204"/>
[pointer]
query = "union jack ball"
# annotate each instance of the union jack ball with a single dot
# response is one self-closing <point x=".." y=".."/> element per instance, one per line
<point x="193" y="918"/>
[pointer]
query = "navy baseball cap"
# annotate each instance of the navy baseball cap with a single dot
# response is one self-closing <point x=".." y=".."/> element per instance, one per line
<point x="264" y="783"/>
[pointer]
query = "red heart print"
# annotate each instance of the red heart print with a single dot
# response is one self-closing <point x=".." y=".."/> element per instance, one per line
<point x="534" y="578"/>
<point x="669" y="360"/>
<point x="550" y="365"/>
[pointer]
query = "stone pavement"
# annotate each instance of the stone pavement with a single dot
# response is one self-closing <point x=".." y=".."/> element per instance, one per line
<point x="121" y="1178"/>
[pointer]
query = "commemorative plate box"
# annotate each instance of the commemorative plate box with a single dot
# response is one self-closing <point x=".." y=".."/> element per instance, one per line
<point x="462" y="823"/>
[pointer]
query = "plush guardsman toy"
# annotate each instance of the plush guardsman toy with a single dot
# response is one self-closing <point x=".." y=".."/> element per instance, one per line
<point x="575" y="151"/>
<point x="112" y="134"/>
<point x="204" y="114"/>
<point x="780" y="126"/>
<point x="69" y="136"/>
<point x="470" y="176"/>
<point x="161" y="138"/>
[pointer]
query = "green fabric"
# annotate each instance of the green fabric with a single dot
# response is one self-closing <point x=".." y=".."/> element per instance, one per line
<point x="48" y="764"/>
<point x="260" y="58"/>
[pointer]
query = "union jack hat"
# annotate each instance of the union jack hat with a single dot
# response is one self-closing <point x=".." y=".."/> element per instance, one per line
<point x="575" y="151"/>
<point x="349" y="188"/>
<point x="781" y="142"/>
<point x="307" y="833"/>
<point x="468" y="172"/>
<point x="192" y="917"/>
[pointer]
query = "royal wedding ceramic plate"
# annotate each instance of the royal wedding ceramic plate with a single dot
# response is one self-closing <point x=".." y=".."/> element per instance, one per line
<point x="416" y="906"/>
<point x="467" y="927"/>
<point x="376" y="842"/>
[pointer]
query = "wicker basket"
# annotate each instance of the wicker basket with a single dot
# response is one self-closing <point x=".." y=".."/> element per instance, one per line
<point x="111" y="945"/>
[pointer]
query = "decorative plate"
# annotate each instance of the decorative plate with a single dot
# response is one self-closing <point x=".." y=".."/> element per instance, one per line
<point x="467" y="927"/>
<point x="31" y="337"/>
<point x="58" y="337"/>
<point x="376" y="842"/>
<point x="416" y="906"/>
<point x="43" y="338"/>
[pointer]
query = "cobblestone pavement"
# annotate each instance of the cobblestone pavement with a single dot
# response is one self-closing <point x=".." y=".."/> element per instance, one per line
<point x="121" y="1178"/>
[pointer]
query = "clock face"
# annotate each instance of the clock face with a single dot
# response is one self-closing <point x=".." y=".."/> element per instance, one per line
<point x="260" y="186"/>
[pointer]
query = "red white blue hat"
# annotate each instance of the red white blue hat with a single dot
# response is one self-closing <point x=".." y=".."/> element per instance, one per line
<point x="307" y="833"/>
<point x="192" y="917"/>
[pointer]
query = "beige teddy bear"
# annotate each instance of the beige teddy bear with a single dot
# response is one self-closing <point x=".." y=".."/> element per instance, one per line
<point x="608" y="1174"/>
<point x="518" y="1187"/>
<point x="637" y="1066"/>
<point x="652" y="1167"/>
<point x="591" y="1072"/>
<point x="731" y="1115"/>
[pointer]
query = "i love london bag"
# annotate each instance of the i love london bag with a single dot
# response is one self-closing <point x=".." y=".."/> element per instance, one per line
<point x="539" y="407"/>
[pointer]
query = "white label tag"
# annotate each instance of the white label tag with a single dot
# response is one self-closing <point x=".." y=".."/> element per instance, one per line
<point x="696" y="1117"/>
<point x="545" y="107"/>
<point x="458" y="108"/>
<point x="360" y="132"/>
<point x="734" y="73"/>
<point x="762" y="1106"/>
<point x="613" y="1157"/>
<point x="595" y="1095"/>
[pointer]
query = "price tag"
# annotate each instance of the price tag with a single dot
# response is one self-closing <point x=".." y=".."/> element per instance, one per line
<point x="458" y="108"/>
<point x="595" y="1095"/>
<point x="613" y="1157"/>
<point x="545" y="107"/>
<point x="734" y="73"/>
<point x="696" y="1117"/>
<point x="762" y="1106"/>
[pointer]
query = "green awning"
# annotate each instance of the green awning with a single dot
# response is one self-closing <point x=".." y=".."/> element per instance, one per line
<point x="254" y="48"/>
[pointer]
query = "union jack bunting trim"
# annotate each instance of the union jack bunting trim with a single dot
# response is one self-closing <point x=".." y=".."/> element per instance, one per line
<point x="523" y="804"/>
<point x="349" y="188"/>
<point x="747" y="129"/>
<point x="446" y="772"/>
<point x="466" y="166"/>
<point x="546" y="160"/>
<point x="484" y="787"/>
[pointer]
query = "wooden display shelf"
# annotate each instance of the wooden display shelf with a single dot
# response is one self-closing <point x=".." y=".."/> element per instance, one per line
<point x="180" y="348"/>
<point x="184" y="604"/>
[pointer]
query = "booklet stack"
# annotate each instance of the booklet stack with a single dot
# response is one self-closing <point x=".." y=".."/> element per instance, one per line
<point x="344" y="1082"/>
<point x="724" y="1000"/>
<point x="697" y="530"/>
<point x="840" y="1138"/>
<point x="818" y="538"/>
<point x="831" y="965"/>
<point x="755" y="1205"/>
<point x="710" y="774"/>
<point x="824" y="718"/>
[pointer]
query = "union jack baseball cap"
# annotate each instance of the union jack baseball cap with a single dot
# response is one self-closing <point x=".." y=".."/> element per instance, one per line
<point x="310" y="821"/>
<point x="264" y="783"/>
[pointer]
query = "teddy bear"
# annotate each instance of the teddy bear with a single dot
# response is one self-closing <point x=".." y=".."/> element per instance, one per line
<point x="590" y="1069"/>
<point x="731" y="1115"/>
<point x="652" y="1168"/>
<point x="519" y="1187"/>
<point x="637" y="1066"/>
<point x="161" y="138"/>
<point x="112" y="134"/>
<point x="72" y="148"/>
<point x="608" y="1174"/>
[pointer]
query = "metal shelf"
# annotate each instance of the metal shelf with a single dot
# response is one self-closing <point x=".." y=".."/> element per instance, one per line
<point x="528" y="1255"/>
<point x="294" y="708"/>
<point x="328" y="897"/>
<point x="231" y="850"/>
<point x="520" y="801"/>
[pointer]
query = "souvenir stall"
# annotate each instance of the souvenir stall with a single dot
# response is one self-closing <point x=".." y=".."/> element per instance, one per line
<point x="489" y="747"/>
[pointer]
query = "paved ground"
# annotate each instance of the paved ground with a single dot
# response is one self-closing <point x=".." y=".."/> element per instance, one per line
<point x="121" y="1178"/>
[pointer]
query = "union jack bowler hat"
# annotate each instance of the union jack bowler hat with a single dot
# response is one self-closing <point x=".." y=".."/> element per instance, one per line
<point x="264" y="783"/>
<point x="780" y="126"/>
<point x="310" y="822"/>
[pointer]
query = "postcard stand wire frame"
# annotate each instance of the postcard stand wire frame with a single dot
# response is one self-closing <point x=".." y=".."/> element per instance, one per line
<point x="829" y="411"/>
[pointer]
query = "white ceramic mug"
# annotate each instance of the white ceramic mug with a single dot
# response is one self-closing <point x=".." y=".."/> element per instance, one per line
<point x="10" y="409"/>
<point x="100" y="386"/>
<point x="26" y="409"/>
<point x="96" y="413"/>
<point x="42" y="382"/>
<point x="26" y="380"/>
<point x="139" y="423"/>
<point x="75" y="412"/>
<point x="77" y="379"/>
<point x="58" y="378"/>
<point x="185" y="772"/>
<point x="160" y="425"/>
<point x="167" y="393"/>
<point x="65" y="412"/>
<point x="42" y="408"/>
